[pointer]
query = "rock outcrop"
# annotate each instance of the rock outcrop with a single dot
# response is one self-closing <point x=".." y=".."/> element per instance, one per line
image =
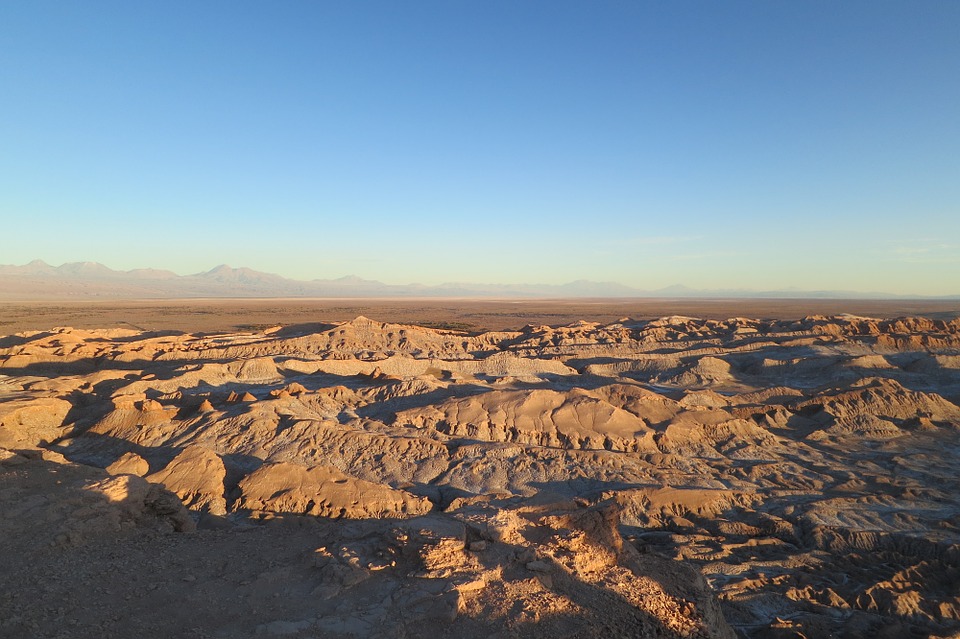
<point x="639" y="478"/>
<point x="323" y="491"/>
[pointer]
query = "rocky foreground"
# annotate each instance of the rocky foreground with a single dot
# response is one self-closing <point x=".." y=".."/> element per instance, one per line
<point x="672" y="478"/>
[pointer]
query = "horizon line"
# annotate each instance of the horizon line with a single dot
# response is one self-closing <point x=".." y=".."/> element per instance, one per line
<point x="629" y="291"/>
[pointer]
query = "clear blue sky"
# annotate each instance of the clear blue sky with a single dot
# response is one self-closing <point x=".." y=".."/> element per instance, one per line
<point x="724" y="144"/>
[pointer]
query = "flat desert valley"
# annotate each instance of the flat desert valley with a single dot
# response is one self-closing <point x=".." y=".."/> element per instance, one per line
<point x="480" y="468"/>
<point x="476" y="314"/>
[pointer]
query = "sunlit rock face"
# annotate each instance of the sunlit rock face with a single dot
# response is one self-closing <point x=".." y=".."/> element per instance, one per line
<point x="636" y="478"/>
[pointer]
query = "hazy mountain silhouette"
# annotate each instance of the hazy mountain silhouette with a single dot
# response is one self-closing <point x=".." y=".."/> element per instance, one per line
<point x="38" y="280"/>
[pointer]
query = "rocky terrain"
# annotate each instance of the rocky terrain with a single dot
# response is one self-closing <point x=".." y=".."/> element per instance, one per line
<point x="677" y="477"/>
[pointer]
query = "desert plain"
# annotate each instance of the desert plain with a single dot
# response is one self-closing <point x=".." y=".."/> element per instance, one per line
<point x="464" y="468"/>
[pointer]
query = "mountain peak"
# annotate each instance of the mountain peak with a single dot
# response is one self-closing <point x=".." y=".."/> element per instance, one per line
<point x="220" y="268"/>
<point x="84" y="268"/>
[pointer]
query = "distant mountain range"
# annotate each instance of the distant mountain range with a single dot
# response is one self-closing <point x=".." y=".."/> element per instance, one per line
<point x="92" y="280"/>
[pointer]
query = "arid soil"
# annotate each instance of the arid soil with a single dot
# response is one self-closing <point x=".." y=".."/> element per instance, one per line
<point x="205" y="315"/>
<point x="672" y="477"/>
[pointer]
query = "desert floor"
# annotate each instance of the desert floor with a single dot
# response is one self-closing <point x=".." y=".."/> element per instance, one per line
<point x="195" y="315"/>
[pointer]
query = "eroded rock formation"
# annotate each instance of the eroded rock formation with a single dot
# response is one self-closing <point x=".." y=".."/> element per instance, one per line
<point x="540" y="481"/>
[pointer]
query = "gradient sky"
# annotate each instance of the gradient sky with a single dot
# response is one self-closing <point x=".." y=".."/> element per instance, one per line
<point x="756" y="145"/>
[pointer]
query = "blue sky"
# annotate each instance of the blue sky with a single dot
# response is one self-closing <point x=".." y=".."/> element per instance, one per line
<point x="715" y="144"/>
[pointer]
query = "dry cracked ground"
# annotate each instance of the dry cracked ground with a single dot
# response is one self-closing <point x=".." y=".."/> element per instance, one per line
<point x="669" y="478"/>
